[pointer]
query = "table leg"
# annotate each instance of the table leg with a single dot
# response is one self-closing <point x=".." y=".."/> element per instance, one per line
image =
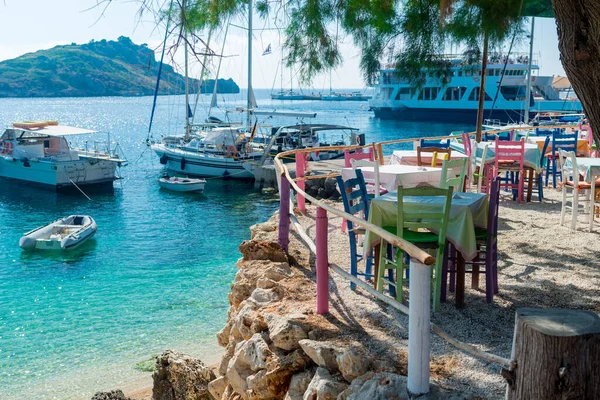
<point x="376" y="255"/>
<point x="475" y="273"/>
<point x="460" y="280"/>
<point x="530" y="185"/>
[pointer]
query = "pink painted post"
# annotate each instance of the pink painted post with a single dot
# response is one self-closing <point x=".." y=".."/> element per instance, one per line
<point x="284" y="213"/>
<point x="300" y="168"/>
<point x="322" y="262"/>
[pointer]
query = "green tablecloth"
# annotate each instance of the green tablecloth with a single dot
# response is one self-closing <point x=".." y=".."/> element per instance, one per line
<point x="467" y="211"/>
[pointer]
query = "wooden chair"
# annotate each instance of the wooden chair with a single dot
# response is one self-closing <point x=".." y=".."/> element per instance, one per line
<point x="576" y="186"/>
<point x="510" y="158"/>
<point x="373" y="184"/>
<point x="407" y="227"/>
<point x="537" y="183"/>
<point x="449" y="177"/>
<point x="566" y="142"/>
<point x="487" y="246"/>
<point x="348" y="156"/>
<point x="356" y="202"/>
<point x="434" y="151"/>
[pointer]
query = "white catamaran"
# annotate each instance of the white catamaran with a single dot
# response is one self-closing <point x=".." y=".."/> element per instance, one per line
<point x="39" y="153"/>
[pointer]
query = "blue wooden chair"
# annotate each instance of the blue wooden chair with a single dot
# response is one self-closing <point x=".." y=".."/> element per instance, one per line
<point x="539" y="180"/>
<point x="356" y="201"/>
<point x="442" y="144"/>
<point x="566" y="142"/>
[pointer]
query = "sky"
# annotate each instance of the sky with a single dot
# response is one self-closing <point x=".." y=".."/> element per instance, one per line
<point x="31" y="25"/>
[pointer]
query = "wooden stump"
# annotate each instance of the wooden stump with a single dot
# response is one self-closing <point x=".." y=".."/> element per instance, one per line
<point x="557" y="354"/>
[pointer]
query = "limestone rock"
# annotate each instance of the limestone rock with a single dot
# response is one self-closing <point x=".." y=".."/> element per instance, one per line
<point x="324" y="387"/>
<point x="250" y="357"/>
<point x="298" y="385"/>
<point x="322" y="353"/>
<point x="112" y="395"/>
<point x="352" y="362"/>
<point x="278" y="271"/>
<point x="356" y="385"/>
<point x="382" y="386"/>
<point x="227" y="355"/>
<point x="281" y="369"/>
<point x="264" y="296"/>
<point x="258" y="387"/>
<point x="265" y="283"/>
<point x="241" y="323"/>
<point x="287" y="331"/>
<point x="217" y="387"/>
<point x="180" y="377"/>
<point x="254" y="250"/>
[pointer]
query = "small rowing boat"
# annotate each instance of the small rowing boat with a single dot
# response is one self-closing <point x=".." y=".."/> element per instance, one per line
<point x="63" y="234"/>
<point x="177" y="184"/>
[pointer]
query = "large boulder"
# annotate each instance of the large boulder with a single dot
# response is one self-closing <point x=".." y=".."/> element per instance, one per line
<point x="255" y="250"/>
<point x="322" y="353"/>
<point x="112" y="395"/>
<point x="382" y="386"/>
<point x="352" y="361"/>
<point x="298" y="385"/>
<point x="218" y="387"/>
<point x="324" y="387"/>
<point x="286" y="331"/>
<point x="180" y="377"/>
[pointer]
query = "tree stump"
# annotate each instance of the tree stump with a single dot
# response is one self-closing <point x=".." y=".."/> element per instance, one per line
<point x="557" y="354"/>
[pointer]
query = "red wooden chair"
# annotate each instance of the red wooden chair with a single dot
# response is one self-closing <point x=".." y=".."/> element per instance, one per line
<point x="510" y="158"/>
<point x="369" y="155"/>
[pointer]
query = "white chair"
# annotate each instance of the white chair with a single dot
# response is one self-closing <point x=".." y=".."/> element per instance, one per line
<point x="373" y="184"/>
<point x="477" y="164"/>
<point x="449" y="176"/>
<point x="568" y="165"/>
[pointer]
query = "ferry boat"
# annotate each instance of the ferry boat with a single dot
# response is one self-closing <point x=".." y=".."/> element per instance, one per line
<point x="39" y="153"/>
<point x="457" y="100"/>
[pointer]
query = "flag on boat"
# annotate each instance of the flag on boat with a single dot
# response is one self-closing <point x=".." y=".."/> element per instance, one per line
<point x="267" y="50"/>
<point x="190" y="114"/>
<point x="254" y="128"/>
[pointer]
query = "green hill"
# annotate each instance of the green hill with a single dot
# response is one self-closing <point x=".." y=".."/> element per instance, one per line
<point x="102" y="68"/>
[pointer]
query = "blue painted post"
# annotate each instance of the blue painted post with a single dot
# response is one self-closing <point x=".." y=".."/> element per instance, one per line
<point x="322" y="262"/>
<point x="284" y="213"/>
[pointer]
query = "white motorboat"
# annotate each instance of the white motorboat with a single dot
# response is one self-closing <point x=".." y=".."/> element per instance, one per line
<point x="39" y="153"/>
<point x="177" y="184"/>
<point x="63" y="234"/>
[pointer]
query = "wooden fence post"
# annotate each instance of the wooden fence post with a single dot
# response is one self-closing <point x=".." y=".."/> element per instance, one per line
<point x="419" y="326"/>
<point x="322" y="262"/>
<point x="300" y="168"/>
<point x="284" y="213"/>
<point x="557" y="354"/>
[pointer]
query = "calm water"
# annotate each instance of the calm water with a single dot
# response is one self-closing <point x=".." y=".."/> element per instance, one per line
<point x="156" y="275"/>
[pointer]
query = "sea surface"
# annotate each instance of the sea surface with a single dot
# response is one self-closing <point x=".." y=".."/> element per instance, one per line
<point x="157" y="274"/>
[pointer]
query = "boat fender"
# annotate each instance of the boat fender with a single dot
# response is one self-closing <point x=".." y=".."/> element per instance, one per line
<point x="26" y="163"/>
<point x="164" y="159"/>
<point x="183" y="164"/>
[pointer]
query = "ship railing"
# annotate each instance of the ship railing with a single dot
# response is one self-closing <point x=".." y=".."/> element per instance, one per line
<point x="420" y="261"/>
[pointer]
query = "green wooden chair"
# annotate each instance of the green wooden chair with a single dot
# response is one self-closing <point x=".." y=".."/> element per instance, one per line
<point x="407" y="225"/>
<point x="449" y="177"/>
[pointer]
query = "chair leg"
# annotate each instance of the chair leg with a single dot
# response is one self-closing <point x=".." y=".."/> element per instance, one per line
<point x="554" y="172"/>
<point x="381" y="266"/>
<point x="489" y="272"/>
<point x="475" y="271"/>
<point x="453" y="274"/>
<point x="563" y="209"/>
<point x="398" y="289"/>
<point x="540" y="187"/>
<point x="575" y="209"/>
<point x="437" y="281"/>
<point x="444" y="274"/>
<point x="495" y="264"/>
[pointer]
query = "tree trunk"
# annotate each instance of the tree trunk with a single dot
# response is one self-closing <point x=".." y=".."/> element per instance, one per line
<point x="557" y="354"/>
<point x="482" y="87"/>
<point x="578" y="27"/>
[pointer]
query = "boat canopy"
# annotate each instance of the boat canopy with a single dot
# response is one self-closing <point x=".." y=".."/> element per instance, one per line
<point x="225" y="137"/>
<point x="57" y="130"/>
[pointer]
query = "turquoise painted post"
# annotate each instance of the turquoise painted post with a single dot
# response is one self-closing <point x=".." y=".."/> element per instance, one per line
<point x="300" y="168"/>
<point x="322" y="262"/>
<point x="284" y="213"/>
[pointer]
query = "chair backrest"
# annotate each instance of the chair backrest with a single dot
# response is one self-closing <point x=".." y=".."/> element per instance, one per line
<point x="509" y="151"/>
<point x="564" y="141"/>
<point x="504" y="136"/>
<point x="568" y="165"/>
<point x="354" y="196"/>
<point x="466" y="139"/>
<point x="369" y="155"/>
<point x="449" y="177"/>
<point x="443" y="144"/>
<point x="375" y="181"/>
<point x="481" y="167"/>
<point x="544" y="149"/>
<point x="437" y="220"/>
<point x="434" y="151"/>
<point x="494" y="206"/>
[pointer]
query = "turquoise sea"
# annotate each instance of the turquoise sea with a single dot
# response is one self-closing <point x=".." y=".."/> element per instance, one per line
<point x="158" y="272"/>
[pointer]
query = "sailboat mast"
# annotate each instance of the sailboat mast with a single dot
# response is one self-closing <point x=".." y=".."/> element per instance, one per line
<point x="250" y="97"/>
<point x="185" y="59"/>
<point x="528" y="92"/>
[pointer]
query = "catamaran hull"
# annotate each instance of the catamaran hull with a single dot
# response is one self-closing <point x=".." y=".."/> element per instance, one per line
<point x="58" y="174"/>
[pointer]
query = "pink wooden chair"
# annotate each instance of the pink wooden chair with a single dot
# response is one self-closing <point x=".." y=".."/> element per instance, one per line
<point x="369" y="155"/>
<point x="510" y="158"/>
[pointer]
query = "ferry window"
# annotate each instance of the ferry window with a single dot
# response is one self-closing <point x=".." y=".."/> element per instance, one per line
<point x="474" y="96"/>
<point x="468" y="72"/>
<point x="405" y="93"/>
<point x="489" y="72"/>
<point x="429" y="93"/>
<point x="454" y="93"/>
<point x="513" y="92"/>
<point x="460" y="72"/>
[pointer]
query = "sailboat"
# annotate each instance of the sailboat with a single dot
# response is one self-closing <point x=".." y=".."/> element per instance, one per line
<point x="220" y="152"/>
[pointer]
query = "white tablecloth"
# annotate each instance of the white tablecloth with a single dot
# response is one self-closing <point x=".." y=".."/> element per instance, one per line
<point x="409" y="157"/>
<point x="392" y="176"/>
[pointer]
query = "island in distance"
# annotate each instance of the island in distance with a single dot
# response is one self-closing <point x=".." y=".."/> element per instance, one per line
<point x="97" y="68"/>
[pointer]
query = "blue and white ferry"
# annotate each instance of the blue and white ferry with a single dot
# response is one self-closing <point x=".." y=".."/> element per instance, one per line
<point x="457" y="100"/>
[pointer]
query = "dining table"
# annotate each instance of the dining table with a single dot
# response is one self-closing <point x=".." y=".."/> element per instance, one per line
<point x="409" y="157"/>
<point x="467" y="211"/>
<point x="392" y="176"/>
